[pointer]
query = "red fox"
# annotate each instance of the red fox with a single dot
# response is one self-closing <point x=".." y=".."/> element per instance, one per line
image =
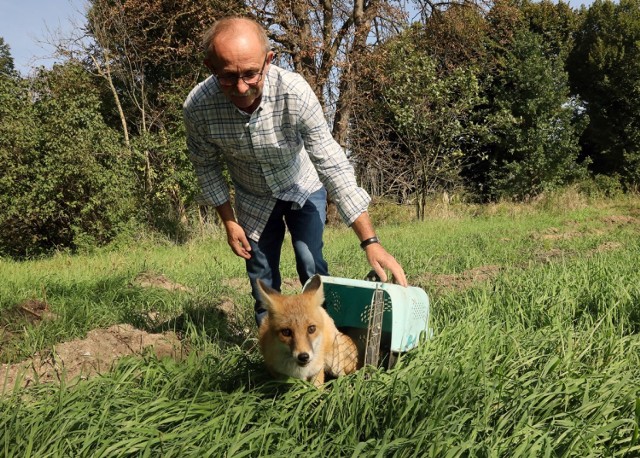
<point x="299" y="339"/>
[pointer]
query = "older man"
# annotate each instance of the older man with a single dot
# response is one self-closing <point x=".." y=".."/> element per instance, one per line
<point x="266" y="124"/>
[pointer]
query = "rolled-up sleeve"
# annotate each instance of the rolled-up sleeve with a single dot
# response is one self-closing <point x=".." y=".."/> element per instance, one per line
<point x="207" y="163"/>
<point x="333" y="167"/>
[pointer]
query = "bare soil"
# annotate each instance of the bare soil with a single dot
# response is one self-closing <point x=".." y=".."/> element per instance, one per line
<point x="462" y="280"/>
<point x="153" y="280"/>
<point x="289" y="285"/>
<point x="83" y="358"/>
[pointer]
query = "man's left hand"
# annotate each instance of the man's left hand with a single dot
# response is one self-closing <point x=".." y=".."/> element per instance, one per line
<point x="380" y="260"/>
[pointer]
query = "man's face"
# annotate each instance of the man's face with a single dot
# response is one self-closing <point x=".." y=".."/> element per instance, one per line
<point x="240" y="64"/>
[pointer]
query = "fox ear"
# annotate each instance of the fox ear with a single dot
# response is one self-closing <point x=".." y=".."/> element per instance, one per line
<point x="315" y="288"/>
<point x="266" y="293"/>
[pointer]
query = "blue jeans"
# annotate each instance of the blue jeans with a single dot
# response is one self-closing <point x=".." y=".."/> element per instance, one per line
<point x="306" y="226"/>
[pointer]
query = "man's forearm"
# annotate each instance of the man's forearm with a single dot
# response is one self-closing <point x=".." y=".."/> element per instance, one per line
<point x="363" y="227"/>
<point x="226" y="213"/>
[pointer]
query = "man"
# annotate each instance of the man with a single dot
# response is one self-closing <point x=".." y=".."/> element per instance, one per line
<point x="267" y="126"/>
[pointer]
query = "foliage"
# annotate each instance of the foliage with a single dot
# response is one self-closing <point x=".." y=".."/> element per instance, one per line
<point x="604" y="69"/>
<point x="149" y="52"/>
<point x="66" y="181"/>
<point x="470" y="96"/>
<point x="534" y="125"/>
<point x="326" y="42"/>
<point x="419" y="117"/>
<point x="555" y="23"/>
<point x="169" y="187"/>
<point x="470" y="100"/>
<point x="152" y="51"/>
<point x="7" y="67"/>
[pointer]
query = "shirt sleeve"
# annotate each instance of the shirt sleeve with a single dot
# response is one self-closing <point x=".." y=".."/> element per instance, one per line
<point x="334" y="169"/>
<point x="207" y="162"/>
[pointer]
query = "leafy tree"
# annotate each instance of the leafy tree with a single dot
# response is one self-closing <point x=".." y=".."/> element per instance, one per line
<point x="66" y="183"/>
<point x="414" y="119"/>
<point x="149" y="54"/>
<point x="18" y="138"/>
<point x="604" y="69"/>
<point x="555" y="23"/>
<point x="532" y="144"/>
<point x="6" y="60"/>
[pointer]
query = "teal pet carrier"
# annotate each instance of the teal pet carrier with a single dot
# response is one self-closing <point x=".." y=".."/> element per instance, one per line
<point x="383" y="319"/>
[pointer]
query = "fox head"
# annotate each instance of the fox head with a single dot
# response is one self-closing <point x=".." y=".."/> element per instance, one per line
<point x="295" y="322"/>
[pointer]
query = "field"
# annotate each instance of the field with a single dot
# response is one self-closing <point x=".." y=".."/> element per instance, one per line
<point x="536" y="345"/>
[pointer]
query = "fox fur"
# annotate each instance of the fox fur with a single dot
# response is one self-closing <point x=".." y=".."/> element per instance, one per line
<point x="299" y="339"/>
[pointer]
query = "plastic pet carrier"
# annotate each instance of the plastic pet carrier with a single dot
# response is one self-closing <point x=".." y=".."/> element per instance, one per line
<point x="383" y="319"/>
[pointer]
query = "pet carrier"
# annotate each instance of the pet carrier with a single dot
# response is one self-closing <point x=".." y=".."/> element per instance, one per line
<point x="383" y="319"/>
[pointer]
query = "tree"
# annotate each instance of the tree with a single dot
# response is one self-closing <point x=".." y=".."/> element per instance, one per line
<point x="414" y="119"/>
<point x="532" y="144"/>
<point x="150" y="55"/>
<point x="65" y="182"/>
<point x="6" y="59"/>
<point x="555" y="23"/>
<point x="604" y="69"/>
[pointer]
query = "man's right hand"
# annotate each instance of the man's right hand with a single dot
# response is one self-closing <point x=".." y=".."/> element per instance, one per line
<point x="237" y="240"/>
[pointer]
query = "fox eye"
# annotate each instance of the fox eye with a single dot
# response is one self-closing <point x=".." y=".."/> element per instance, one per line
<point x="286" y="332"/>
<point x="311" y="329"/>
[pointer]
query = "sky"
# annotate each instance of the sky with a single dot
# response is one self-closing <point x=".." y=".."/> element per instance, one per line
<point x="26" y="24"/>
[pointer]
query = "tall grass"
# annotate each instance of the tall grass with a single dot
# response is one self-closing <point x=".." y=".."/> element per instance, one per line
<point x="543" y="359"/>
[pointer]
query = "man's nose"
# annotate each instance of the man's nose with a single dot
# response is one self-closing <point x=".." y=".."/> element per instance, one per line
<point x="241" y="86"/>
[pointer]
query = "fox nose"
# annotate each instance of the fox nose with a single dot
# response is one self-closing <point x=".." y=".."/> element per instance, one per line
<point x="303" y="358"/>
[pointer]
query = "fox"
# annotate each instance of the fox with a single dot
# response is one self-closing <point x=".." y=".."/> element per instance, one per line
<point x="299" y="339"/>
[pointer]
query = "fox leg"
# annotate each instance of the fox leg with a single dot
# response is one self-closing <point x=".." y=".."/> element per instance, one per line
<point x="318" y="379"/>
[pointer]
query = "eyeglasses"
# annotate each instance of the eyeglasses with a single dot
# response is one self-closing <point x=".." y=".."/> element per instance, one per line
<point x="250" y="79"/>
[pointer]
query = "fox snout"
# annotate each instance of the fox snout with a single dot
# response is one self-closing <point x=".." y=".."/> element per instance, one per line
<point x="303" y="359"/>
<point x="301" y="344"/>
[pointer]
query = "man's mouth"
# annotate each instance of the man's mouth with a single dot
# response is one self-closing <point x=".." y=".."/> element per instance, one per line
<point x="249" y="93"/>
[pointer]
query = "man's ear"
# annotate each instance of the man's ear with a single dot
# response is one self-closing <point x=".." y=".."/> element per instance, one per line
<point x="270" y="56"/>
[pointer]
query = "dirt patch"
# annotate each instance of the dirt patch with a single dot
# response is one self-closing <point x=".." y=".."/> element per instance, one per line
<point x="83" y="358"/>
<point x="548" y="256"/>
<point x="619" y="220"/>
<point x="461" y="281"/>
<point x="34" y="310"/>
<point x="553" y="233"/>
<point x="153" y="280"/>
<point x="31" y="311"/>
<point x="291" y="286"/>
<point x="241" y="285"/>
<point x="608" y="246"/>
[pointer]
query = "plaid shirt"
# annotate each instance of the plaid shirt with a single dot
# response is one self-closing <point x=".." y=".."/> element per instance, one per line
<point x="284" y="150"/>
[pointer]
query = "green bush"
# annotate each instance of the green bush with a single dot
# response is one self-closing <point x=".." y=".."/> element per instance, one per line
<point x="66" y="179"/>
<point x="533" y="145"/>
<point x="601" y="186"/>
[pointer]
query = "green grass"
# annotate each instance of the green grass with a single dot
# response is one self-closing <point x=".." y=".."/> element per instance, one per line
<point x="542" y="358"/>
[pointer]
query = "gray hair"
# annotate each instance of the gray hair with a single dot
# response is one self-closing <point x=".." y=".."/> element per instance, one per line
<point x="232" y="24"/>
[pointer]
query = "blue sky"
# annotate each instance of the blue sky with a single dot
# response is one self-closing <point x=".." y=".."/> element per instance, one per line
<point x="24" y="25"/>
